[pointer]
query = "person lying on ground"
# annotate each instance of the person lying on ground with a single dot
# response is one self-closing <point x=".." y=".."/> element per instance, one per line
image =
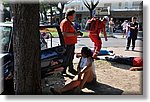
<point x="86" y="73"/>
<point x="136" y="62"/>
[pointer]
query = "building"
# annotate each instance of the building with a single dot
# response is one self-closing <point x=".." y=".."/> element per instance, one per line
<point x="120" y="10"/>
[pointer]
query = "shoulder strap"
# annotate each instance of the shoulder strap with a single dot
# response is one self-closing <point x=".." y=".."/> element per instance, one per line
<point x="69" y="21"/>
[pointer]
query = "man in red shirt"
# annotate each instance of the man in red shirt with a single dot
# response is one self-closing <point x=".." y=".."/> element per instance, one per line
<point x="70" y="37"/>
<point x="94" y="35"/>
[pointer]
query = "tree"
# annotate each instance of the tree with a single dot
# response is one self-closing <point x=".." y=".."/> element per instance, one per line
<point x="53" y="7"/>
<point x="62" y="6"/>
<point x="43" y="10"/>
<point x="91" y="6"/>
<point x="60" y="9"/>
<point x="6" y="13"/>
<point x="26" y="47"/>
<point x="51" y="12"/>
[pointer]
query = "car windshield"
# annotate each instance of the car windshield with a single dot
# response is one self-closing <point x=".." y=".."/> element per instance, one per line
<point x="5" y="33"/>
<point x="49" y="38"/>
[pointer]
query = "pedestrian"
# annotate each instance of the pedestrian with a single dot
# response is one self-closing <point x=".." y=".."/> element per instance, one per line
<point x="70" y="38"/>
<point x="135" y="62"/>
<point x="83" y="23"/>
<point x="124" y="27"/>
<point x="86" y="73"/>
<point x="111" y="26"/>
<point x="95" y="29"/>
<point x="132" y="31"/>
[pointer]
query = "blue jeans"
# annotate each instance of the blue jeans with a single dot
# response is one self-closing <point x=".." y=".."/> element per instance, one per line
<point x="123" y="60"/>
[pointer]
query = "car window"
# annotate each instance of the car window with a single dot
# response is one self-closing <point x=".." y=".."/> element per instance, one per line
<point x="49" y="38"/>
<point x="5" y="33"/>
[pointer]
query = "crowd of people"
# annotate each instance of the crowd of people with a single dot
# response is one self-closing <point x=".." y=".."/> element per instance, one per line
<point x="85" y="72"/>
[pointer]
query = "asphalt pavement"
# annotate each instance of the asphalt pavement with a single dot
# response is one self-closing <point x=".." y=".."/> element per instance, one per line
<point x="116" y="41"/>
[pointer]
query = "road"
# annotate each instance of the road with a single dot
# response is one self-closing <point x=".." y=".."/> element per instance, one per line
<point x="112" y="42"/>
<point x="118" y="41"/>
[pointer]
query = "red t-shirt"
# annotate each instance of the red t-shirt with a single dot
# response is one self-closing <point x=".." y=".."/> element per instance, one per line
<point x="137" y="62"/>
<point x="66" y="26"/>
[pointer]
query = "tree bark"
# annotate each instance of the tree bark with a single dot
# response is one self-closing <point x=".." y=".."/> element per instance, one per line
<point x="51" y="12"/>
<point x="91" y="6"/>
<point x="61" y="11"/>
<point x="45" y="14"/>
<point x="26" y="46"/>
<point x="91" y="13"/>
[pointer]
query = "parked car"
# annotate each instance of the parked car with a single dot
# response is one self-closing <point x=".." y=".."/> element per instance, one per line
<point x="52" y="55"/>
<point x="6" y="57"/>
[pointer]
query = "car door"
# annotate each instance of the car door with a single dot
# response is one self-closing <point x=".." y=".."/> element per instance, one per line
<point x="6" y="58"/>
<point x="52" y="54"/>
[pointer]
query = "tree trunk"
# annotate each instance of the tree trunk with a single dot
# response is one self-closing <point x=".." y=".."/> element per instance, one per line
<point x="61" y="16"/>
<point x="42" y="18"/>
<point x="61" y="12"/>
<point x="51" y="11"/>
<point x="26" y="46"/>
<point x="45" y="15"/>
<point x="91" y="13"/>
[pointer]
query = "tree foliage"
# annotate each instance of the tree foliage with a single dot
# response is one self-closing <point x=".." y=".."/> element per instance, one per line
<point x="45" y="6"/>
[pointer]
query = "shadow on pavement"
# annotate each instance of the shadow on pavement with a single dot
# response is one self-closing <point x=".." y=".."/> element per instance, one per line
<point x="97" y="89"/>
<point x="138" y="51"/>
<point x="102" y="89"/>
<point x="121" y="66"/>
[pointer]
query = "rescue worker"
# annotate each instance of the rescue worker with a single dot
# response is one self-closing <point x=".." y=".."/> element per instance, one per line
<point x="96" y="28"/>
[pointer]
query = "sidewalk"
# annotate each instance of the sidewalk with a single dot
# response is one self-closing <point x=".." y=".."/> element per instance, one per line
<point x="120" y="35"/>
<point x="114" y="78"/>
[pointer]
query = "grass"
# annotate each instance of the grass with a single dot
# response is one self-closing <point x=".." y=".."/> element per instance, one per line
<point x="85" y="34"/>
<point x="55" y="33"/>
